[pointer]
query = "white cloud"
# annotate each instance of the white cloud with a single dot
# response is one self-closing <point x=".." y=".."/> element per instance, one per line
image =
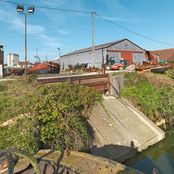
<point x="130" y="20"/>
<point x="50" y="41"/>
<point x="61" y="16"/>
<point x="120" y="19"/>
<point x="62" y="32"/>
<point x="15" y="22"/>
<point x="18" y="24"/>
<point x="54" y="3"/>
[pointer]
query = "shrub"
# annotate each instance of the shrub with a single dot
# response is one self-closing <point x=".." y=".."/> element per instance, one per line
<point x="23" y="135"/>
<point x="60" y="111"/>
<point x="145" y="97"/>
<point x="56" y="115"/>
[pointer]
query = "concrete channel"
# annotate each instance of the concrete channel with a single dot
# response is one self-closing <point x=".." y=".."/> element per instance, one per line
<point x="121" y="130"/>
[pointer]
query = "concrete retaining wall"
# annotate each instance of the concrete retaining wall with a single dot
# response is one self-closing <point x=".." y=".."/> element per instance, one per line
<point x="116" y="84"/>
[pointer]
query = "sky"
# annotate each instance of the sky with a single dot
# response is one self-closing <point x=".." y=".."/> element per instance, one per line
<point x="48" y="30"/>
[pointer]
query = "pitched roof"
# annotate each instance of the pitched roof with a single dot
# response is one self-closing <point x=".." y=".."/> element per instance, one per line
<point x="166" y="54"/>
<point x="97" y="47"/>
<point x="40" y="66"/>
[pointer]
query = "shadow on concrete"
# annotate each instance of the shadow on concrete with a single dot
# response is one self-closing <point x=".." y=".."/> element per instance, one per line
<point x="48" y="167"/>
<point x="115" y="152"/>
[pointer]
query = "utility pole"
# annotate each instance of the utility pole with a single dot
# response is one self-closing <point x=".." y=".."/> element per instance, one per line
<point x="93" y="48"/>
<point x="25" y="44"/>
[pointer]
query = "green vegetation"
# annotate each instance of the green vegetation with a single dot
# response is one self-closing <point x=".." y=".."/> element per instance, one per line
<point x="151" y="96"/>
<point x="170" y="73"/>
<point x="50" y="116"/>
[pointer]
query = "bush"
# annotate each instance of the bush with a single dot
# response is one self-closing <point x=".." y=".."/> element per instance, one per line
<point x="23" y="135"/>
<point x="56" y="115"/>
<point x="145" y="97"/>
<point x="60" y="111"/>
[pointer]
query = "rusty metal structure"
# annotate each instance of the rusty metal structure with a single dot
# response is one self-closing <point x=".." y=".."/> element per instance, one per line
<point x="98" y="82"/>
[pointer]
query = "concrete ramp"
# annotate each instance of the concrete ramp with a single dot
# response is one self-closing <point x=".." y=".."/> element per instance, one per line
<point x="121" y="130"/>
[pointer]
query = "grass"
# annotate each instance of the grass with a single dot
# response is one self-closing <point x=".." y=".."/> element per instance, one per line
<point x="151" y="95"/>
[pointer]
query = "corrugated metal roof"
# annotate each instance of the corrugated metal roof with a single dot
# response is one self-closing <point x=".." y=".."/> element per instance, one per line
<point x="97" y="47"/>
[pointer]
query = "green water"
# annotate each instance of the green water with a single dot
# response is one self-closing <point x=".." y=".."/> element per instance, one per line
<point x="159" y="156"/>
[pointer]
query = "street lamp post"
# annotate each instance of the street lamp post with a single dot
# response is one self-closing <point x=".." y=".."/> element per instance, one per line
<point x="20" y="10"/>
<point x="59" y="52"/>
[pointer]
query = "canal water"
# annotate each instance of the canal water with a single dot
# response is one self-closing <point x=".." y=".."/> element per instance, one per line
<point x="159" y="156"/>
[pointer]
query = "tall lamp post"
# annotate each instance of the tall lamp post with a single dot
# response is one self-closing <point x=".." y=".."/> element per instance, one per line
<point x="59" y="52"/>
<point x="30" y="11"/>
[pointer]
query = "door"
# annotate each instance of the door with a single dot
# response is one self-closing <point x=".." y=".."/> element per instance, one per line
<point x="127" y="55"/>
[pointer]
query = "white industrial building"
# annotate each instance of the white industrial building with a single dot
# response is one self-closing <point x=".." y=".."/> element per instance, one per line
<point x="13" y="59"/>
<point x="121" y="49"/>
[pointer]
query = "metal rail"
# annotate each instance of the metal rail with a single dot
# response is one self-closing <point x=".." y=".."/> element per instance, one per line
<point x="98" y="82"/>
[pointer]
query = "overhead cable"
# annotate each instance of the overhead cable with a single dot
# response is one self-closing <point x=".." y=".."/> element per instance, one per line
<point x="90" y="12"/>
<point x="48" y="8"/>
<point x="133" y="32"/>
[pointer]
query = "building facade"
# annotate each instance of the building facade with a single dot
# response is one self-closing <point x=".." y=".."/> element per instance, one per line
<point x="13" y="59"/>
<point x="123" y="49"/>
<point x="1" y="61"/>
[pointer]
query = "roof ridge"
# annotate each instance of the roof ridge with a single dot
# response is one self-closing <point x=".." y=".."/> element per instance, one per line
<point x="105" y="45"/>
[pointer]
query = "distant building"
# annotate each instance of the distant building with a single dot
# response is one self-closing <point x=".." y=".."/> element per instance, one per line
<point x="1" y="61"/>
<point x="122" y="50"/>
<point x="44" y="68"/>
<point x="13" y="59"/>
<point x="21" y="64"/>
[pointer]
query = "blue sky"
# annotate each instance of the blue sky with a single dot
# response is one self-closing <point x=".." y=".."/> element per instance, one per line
<point x="48" y="29"/>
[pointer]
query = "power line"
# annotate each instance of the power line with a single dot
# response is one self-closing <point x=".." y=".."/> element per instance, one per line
<point x="90" y="12"/>
<point x="133" y="32"/>
<point x="48" y="8"/>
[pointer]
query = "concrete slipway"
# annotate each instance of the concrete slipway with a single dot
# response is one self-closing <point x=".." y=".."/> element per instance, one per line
<point x="120" y="130"/>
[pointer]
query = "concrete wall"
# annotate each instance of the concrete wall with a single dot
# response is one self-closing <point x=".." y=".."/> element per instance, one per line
<point x="116" y="84"/>
<point x="138" y="58"/>
<point x="80" y="58"/>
